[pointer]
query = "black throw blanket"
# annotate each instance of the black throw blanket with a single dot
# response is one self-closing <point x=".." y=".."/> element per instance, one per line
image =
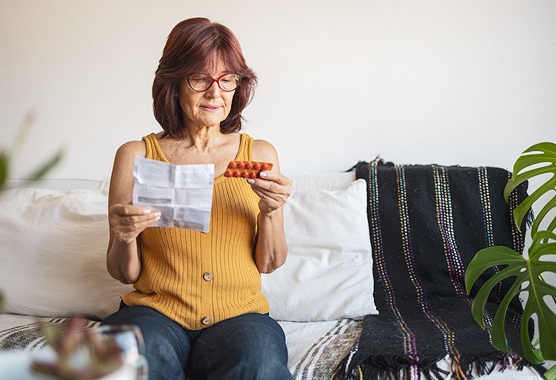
<point x="426" y="224"/>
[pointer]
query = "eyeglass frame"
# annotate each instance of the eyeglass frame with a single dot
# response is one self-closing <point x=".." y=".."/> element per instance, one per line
<point x="217" y="80"/>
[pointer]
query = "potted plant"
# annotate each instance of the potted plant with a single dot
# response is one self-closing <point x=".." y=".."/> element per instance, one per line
<point x="6" y="156"/>
<point x="529" y="272"/>
<point x="80" y="354"/>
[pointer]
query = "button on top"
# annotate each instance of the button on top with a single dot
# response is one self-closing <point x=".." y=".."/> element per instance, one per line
<point x="206" y="321"/>
<point x="208" y="276"/>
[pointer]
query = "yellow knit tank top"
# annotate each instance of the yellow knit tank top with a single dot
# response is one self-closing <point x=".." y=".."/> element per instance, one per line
<point x="198" y="279"/>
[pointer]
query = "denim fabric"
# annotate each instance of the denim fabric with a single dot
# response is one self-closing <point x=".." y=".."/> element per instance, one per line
<point x="250" y="346"/>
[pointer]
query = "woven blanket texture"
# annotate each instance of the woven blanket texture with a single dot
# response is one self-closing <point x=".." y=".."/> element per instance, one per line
<point x="426" y="223"/>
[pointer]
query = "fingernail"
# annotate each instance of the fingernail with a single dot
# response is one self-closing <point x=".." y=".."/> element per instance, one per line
<point x="251" y="181"/>
<point x="147" y="211"/>
<point x="262" y="174"/>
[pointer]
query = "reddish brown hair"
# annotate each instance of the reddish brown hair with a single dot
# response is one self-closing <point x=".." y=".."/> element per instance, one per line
<point x="193" y="46"/>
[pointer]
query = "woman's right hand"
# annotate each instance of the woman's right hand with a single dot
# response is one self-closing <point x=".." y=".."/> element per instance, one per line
<point x="128" y="221"/>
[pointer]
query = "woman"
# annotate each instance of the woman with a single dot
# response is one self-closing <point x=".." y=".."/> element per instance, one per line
<point x="197" y="296"/>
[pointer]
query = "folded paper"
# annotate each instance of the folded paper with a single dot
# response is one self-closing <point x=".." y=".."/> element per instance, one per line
<point x="182" y="193"/>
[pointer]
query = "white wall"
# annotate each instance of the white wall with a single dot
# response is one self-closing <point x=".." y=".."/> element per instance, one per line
<point x="469" y="82"/>
<point x="451" y="82"/>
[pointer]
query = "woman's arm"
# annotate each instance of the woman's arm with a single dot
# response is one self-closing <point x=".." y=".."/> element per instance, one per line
<point x="274" y="189"/>
<point x="126" y="221"/>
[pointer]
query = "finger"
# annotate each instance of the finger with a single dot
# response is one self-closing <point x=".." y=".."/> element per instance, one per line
<point x="270" y="188"/>
<point x="134" y="227"/>
<point x="276" y="177"/>
<point x="266" y="189"/>
<point x="269" y="177"/>
<point x="272" y="198"/>
<point x="124" y="210"/>
<point x="128" y="232"/>
<point x="127" y="220"/>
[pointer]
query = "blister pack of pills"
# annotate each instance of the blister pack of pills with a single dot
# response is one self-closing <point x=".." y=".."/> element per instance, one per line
<point x="246" y="169"/>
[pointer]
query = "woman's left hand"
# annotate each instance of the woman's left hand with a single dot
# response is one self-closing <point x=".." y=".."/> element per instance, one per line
<point x="273" y="188"/>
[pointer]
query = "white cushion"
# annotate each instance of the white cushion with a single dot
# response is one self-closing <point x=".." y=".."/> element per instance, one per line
<point x="53" y="253"/>
<point x="321" y="181"/>
<point x="328" y="273"/>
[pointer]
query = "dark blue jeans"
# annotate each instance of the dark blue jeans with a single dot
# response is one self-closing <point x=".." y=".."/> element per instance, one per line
<point x="250" y="346"/>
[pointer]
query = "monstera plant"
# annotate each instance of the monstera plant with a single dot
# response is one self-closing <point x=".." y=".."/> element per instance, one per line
<point x="530" y="273"/>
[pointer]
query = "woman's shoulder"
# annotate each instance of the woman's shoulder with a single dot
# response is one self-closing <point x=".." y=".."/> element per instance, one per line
<point x="133" y="149"/>
<point x="264" y="151"/>
<point x="135" y="146"/>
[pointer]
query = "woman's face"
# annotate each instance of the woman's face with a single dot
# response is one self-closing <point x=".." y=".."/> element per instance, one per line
<point x="208" y="108"/>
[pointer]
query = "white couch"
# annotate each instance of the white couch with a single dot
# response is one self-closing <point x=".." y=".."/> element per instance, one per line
<point x="53" y="240"/>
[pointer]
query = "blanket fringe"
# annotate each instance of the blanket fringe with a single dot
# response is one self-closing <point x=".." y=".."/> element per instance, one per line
<point x="463" y="367"/>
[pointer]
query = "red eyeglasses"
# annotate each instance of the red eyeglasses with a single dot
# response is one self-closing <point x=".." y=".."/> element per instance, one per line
<point x="202" y="82"/>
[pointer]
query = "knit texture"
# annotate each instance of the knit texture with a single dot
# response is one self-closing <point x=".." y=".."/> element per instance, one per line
<point x="189" y="275"/>
<point x="426" y="223"/>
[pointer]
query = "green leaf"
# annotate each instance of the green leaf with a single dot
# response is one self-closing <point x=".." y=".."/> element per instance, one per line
<point x="526" y="168"/>
<point x="477" y="309"/>
<point x="3" y="170"/>
<point x="498" y="333"/>
<point x="542" y="245"/>
<point x="487" y="258"/>
<point x="46" y="167"/>
<point x="527" y="271"/>
<point x="10" y="154"/>
<point x="51" y="333"/>
<point x="534" y="356"/>
<point x="547" y="323"/>
<point x="548" y="207"/>
<point x="523" y="208"/>
<point x="544" y="146"/>
<point x="22" y="133"/>
<point x="551" y="373"/>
